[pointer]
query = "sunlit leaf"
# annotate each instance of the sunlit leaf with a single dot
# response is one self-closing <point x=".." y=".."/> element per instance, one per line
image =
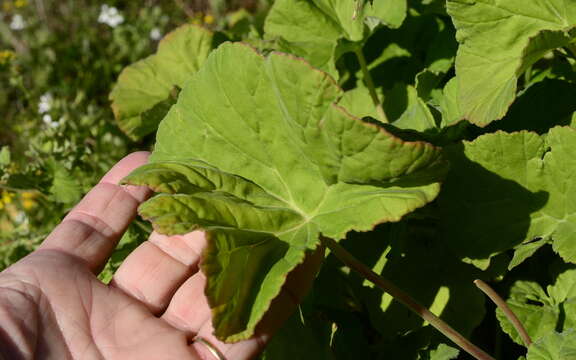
<point x="498" y="41"/>
<point x="554" y="346"/>
<point x="146" y="89"/>
<point x="257" y="152"/>
<point x="507" y="189"/>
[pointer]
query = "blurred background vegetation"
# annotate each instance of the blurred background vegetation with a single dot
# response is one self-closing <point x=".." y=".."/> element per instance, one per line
<point x="58" y="62"/>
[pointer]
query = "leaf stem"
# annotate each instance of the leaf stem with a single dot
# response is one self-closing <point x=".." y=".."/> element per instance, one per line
<point x="405" y="299"/>
<point x="493" y="295"/>
<point x="370" y="84"/>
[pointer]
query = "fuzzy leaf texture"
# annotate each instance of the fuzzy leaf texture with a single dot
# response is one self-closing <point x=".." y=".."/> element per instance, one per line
<point x="554" y="346"/>
<point x="257" y="152"/>
<point x="355" y="16"/>
<point x="509" y="191"/>
<point x="499" y="40"/>
<point x="541" y="312"/>
<point x="143" y="94"/>
<point x="313" y="29"/>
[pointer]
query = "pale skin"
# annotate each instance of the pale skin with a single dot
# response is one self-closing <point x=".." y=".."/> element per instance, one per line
<point x="52" y="306"/>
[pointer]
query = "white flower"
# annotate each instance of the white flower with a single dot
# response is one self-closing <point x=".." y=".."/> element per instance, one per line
<point x="110" y="16"/>
<point x="45" y="103"/>
<point x="17" y="22"/>
<point x="47" y="119"/>
<point x="155" y="34"/>
<point x="20" y="217"/>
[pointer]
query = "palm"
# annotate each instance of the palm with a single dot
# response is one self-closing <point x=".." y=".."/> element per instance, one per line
<point x="52" y="305"/>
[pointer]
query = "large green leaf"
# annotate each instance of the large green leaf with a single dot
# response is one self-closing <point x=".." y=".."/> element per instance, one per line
<point x="65" y="188"/>
<point x="417" y="115"/>
<point x="312" y="29"/>
<point x="443" y="284"/>
<point x="554" y="346"/>
<point x="405" y="110"/>
<point x="353" y="16"/>
<point x="449" y="104"/>
<point x="295" y="331"/>
<point x="498" y="41"/>
<point x="507" y="189"/>
<point x="143" y="93"/>
<point x="359" y="103"/>
<point x="256" y="152"/>
<point x="542" y="312"/>
<point x="304" y="30"/>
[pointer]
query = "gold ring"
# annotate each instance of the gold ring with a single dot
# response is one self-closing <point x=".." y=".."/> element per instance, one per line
<point x="217" y="354"/>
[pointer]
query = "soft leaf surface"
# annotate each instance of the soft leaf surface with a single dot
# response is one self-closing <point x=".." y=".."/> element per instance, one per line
<point x="295" y="331"/>
<point x="498" y="41"/>
<point x="542" y="311"/>
<point x="359" y="103"/>
<point x="256" y="152"/>
<point x="143" y="94"/>
<point x="554" y="346"/>
<point x="64" y="188"/>
<point x="444" y="283"/>
<point x="312" y="29"/>
<point x="449" y="104"/>
<point x="304" y="30"/>
<point x="417" y="116"/>
<point x="504" y="190"/>
<point x="354" y="16"/>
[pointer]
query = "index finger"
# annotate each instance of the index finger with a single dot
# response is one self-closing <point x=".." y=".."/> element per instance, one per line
<point x="92" y="229"/>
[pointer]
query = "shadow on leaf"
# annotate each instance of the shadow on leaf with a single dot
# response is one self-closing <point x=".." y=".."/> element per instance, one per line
<point x="483" y="214"/>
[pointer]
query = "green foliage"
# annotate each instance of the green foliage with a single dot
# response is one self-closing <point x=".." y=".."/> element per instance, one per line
<point x="296" y="174"/>
<point x="519" y="34"/>
<point x="370" y="122"/>
<point x="522" y="183"/>
<point x="58" y="136"/>
<point x="542" y="312"/>
<point x="142" y="96"/>
<point x="264" y="152"/>
<point x="554" y="346"/>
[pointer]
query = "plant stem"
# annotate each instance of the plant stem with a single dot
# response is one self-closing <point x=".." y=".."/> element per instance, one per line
<point x="370" y="84"/>
<point x="405" y="299"/>
<point x="493" y="295"/>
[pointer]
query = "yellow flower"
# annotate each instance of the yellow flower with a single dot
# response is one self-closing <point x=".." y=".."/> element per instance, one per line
<point x="29" y="195"/>
<point x="20" y="3"/>
<point x="27" y="199"/>
<point x="208" y="19"/>
<point x="1" y="205"/>
<point x="6" y="56"/>
<point x="28" y="204"/>
<point x="7" y="6"/>
<point x="7" y="197"/>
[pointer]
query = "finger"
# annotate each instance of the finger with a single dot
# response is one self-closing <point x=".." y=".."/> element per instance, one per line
<point x="190" y="312"/>
<point x="92" y="229"/>
<point x="158" y="267"/>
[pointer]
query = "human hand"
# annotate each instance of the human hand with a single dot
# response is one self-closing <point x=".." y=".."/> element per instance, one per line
<point x="52" y="306"/>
